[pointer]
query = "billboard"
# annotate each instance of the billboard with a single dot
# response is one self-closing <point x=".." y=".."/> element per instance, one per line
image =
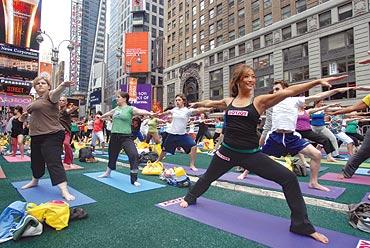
<point x="46" y="69"/>
<point x="144" y="96"/>
<point x="16" y="67"/>
<point x="19" y="22"/>
<point x="15" y="87"/>
<point x="136" y="52"/>
<point x="12" y="101"/>
<point x="95" y="97"/>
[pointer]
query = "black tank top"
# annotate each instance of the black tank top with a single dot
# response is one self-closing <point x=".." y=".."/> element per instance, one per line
<point x="241" y="127"/>
<point x="17" y="127"/>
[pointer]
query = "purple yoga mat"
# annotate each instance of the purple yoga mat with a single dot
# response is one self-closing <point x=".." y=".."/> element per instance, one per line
<point x="366" y="199"/>
<point x="255" y="180"/>
<point x="355" y="179"/>
<point x="263" y="228"/>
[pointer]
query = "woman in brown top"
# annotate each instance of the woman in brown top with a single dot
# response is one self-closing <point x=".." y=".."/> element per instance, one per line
<point x="47" y="135"/>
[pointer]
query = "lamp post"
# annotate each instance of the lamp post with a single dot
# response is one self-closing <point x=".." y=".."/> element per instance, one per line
<point x="54" y="53"/>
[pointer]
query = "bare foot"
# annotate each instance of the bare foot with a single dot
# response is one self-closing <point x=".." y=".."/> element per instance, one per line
<point x="184" y="204"/>
<point x="243" y="175"/>
<point x="331" y="160"/>
<point x="68" y="196"/>
<point x="67" y="166"/>
<point x="33" y="183"/>
<point x="320" y="237"/>
<point x="105" y="175"/>
<point x="193" y="168"/>
<point x="318" y="186"/>
<point x="341" y="176"/>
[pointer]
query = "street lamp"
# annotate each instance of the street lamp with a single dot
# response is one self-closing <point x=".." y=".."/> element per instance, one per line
<point x="54" y="53"/>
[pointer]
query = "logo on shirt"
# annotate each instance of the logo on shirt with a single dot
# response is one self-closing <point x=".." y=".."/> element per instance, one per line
<point x="238" y="112"/>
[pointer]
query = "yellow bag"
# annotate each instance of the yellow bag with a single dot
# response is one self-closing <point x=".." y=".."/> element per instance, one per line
<point x="142" y="145"/>
<point x="55" y="213"/>
<point x="157" y="148"/>
<point x="208" y="144"/>
<point x="179" y="171"/>
<point x="155" y="168"/>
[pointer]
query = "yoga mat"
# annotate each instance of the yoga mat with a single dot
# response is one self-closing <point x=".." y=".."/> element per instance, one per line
<point x="355" y="179"/>
<point x="99" y="153"/>
<point x="2" y="174"/>
<point x="255" y="180"/>
<point x="122" y="182"/>
<point x="322" y="168"/>
<point x="262" y="228"/>
<point x="45" y="192"/>
<point x="366" y="198"/>
<point x="120" y="157"/>
<point x="341" y="163"/>
<point x="17" y="159"/>
<point x="363" y="171"/>
<point x="73" y="167"/>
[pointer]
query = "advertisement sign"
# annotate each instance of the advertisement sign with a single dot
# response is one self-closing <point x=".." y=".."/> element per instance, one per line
<point x="19" y="22"/>
<point x="144" y="96"/>
<point x="136" y="52"/>
<point x="46" y="69"/>
<point x="132" y="89"/>
<point x="95" y="97"/>
<point x="12" y="101"/>
<point x="18" y="68"/>
<point x="16" y="87"/>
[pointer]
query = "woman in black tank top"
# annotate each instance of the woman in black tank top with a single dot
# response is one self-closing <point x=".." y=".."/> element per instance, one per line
<point x="241" y="148"/>
<point x="17" y="132"/>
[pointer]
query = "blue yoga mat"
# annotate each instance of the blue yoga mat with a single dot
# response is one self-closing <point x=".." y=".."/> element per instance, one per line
<point x="122" y="157"/>
<point x="262" y="228"/>
<point x="122" y="182"/>
<point x="45" y="192"/>
<point x="363" y="171"/>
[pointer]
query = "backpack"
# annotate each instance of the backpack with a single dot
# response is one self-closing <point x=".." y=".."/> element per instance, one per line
<point x="85" y="154"/>
<point x="299" y="168"/>
<point x="359" y="216"/>
<point x="144" y="157"/>
<point x="181" y="182"/>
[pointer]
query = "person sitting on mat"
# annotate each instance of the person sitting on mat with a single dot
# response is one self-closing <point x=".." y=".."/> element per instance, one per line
<point x="240" y="146"/>
<point x="17" y="132"/>
<point x="177" y="136"/>
<point x="121" y="135"/>
<point x="47" y="135"/>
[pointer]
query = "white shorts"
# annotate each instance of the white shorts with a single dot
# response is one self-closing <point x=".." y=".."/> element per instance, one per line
<point x="344" y="138"/>
<point x="97" y="135"/>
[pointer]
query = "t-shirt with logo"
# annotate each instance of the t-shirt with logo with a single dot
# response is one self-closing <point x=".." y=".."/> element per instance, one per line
<point x="121" y="120"/>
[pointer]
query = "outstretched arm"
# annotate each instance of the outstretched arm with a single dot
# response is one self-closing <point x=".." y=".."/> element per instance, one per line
<point x="264" y="102"/>
<point x="326" y="94"/>
<point x="200" y="110"/>
<point x="218" y="104"/>
<point x="360" y="105"/>
<point x="55" y="94"/>
<point x="137" y="111"/>
<point x="110" y="113"/>
<point x="314" y="110"/>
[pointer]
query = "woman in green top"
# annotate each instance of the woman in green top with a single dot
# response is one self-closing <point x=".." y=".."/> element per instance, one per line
<point x="153" y="130"/>
<point x="74" y="131"/>
<point x="121" y="135"/>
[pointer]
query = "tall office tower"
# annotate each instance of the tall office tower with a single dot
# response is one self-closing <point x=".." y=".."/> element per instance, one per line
<point x="129" y="19"/>
<point x="294" y="40"/>
<point x="88" y="24"/>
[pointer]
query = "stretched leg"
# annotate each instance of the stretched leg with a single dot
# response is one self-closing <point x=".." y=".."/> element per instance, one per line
<point x="358" y="158"/>
<point x="68" y="153"/>
<point x="37" y="162"/>
<point x="20" y="144"/>
<point x="114" y="147"/>
<point x="133" y="156"/>
<point x="303" y="160"/>
<point x="267" y="168"/>
<point x="327" y="133"/>
<point x="14" y="146"/>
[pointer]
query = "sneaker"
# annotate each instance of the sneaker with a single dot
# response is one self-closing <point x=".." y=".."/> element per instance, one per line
<point x="137" y="184"/>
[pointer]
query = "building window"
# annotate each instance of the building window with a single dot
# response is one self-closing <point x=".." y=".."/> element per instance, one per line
<point x="194" y="52"/>
<point x="302" y="27"/>
<point x="194" y="10"/>
<point x="285" y="12"/>
<point x="219" y="9"/>
<point x="231" y="20"/>
<point x="268" y="20"/>
<point x="300" y="5"/>
<point x="154" y="20"/>
<point x="201" y="5"/>
<point x="202" y="20"/>
<point x="187" y="42"/>
<point x="255" y="7"/>
<point x="344" y="95"/>
<point x="268" y="39"/>
<point x="216" y="93"/>
<point x="202" y="48"/>
<point x="345" y="11"/>
<point x="231" y="3"/>
<point x="256" y="43"/>
<point x="170" y="94"/>
<point x="264" y="81"/>
<point x="241" y="48"/>
<point x="219" y="40"/>
<point x="216" y="82"/>
<point x="194" y="38"/>
<point x="231" y="35"/>
<point x="338" y="66"/>
<point x="211" y="13"/>
<point x="161" y="12"/>
<point x="211" y="28"/>
<point x="181" y="19"/>
<point x="241" y="31"/>
<point x="232" y="53"/>
<point x="297" y="74"/>
<point x="337" y="41"/>
<point x="211" y="44"/>
<point x="325" y="19"/>
<point x="287" y="33"/>
<point x="194" y="24"/>
<point x="295" y="52"/>
<point x="219" y="25"/>
<point x="256" y="25"/>
<point x="263" y="61"/>
<point x="220" y="57"/>
<point x="154" y="8"/>
<point x="241" y="14"/>
<point x="266" y="3"/>
<point x="211" y="1"/>
<point x="212" y="60"/>
<point x="201" y="35"/>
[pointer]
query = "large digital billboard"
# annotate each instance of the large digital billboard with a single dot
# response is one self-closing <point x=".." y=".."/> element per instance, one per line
<point x="14" y="67"/>
<point x="19" y="22"/>
<point x="136" y="52"/>
<point x="143" y="95"/>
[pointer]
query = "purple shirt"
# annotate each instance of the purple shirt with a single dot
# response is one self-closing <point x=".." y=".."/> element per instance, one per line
<point x="303" y="122"/>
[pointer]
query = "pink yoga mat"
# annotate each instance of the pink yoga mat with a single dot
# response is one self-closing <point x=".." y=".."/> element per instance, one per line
<point x="73" y="167"/>
<point x="2" y="175"/>
<point x="355" y="179"/>
<point x="17" y="159"/>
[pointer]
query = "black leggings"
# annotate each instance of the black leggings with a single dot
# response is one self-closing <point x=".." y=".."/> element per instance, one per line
<point x="116" y="143"/>
<point x="48" y="149"/>
<point x="201" y="134"/>
<point x="263" y="166"/>
<point x="319" y="139"/>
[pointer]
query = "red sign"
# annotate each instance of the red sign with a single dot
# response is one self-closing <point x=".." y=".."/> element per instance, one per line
<point x="136" y="52"/>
